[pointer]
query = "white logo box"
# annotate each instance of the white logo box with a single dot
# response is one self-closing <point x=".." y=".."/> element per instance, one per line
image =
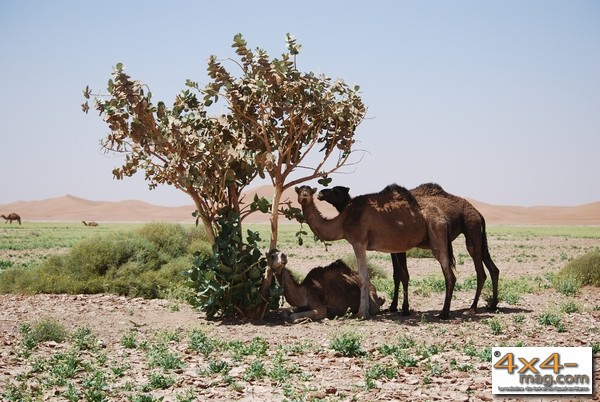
<point x="542" y="370"/>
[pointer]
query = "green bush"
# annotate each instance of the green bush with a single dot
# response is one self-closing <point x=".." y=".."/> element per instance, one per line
<point x="582" y="271"/>
<point x="143" y="263"/>
<point x="228" y="281"/>
<point x="170" y="239"/>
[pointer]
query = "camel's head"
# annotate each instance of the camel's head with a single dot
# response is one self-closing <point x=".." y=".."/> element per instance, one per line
<point x="337" y="196"/>
<point x="305" y="194"/>
<point x="276" y="260"/>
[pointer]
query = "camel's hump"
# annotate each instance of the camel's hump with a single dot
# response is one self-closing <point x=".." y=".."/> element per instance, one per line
<point x="429" y="189"/>
<point x="388" y="192"/>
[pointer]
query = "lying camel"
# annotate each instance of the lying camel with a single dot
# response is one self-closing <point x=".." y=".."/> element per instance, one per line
<point x="12" y="217"/>
<point x="391" y="221"/>
<point x="325" y="292"/>
<point x="463" y="218"/>
<point x="90" y="223"/>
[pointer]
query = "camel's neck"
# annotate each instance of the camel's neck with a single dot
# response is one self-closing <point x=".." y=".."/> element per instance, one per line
<point x="325" y="229"/>
<point x="294" y="293"/>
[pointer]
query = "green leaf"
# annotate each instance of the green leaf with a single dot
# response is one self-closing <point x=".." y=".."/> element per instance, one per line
<point x="324" y="181"/>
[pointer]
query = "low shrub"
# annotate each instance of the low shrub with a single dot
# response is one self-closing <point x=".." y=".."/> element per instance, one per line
<point x="46" y="329"/>
<point x="143" y="263"/>
<point x="582" y="271"/>
<point x="375" y="271"/>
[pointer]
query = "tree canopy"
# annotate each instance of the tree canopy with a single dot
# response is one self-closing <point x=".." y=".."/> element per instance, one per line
<point x="272" y="117"/>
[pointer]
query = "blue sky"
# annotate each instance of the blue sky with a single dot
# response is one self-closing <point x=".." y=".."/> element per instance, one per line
<point x="496" y="101"/>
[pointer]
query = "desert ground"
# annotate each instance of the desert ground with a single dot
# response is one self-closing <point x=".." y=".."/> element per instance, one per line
<point x="433" y="359"/>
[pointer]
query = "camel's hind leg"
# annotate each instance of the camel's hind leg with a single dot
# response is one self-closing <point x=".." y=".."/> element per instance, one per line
<point x="360" y="251"/>
<point x="477" y="247"/>
<point x="400" y="275"/>
<point x="492" y="268"/>
<point x="450" y="279"/>
<point x="474" y="249"/>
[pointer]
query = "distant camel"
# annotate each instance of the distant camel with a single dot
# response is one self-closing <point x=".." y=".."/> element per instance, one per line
<point x="12" y="217"/>
<point x="325" y="292"/>
<point x="462" y="217"/>
<point x="390" y="221"/>
<point x="90" y="223"/>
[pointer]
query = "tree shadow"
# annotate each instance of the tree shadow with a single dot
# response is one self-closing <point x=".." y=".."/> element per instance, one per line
<point x="277" y="317"/>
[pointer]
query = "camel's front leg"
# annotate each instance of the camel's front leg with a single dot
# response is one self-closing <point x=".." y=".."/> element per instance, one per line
<point x="400" y="275"/>
<point x="360" y="252"/>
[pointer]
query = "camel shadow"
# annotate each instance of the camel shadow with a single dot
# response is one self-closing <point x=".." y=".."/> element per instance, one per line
<point x="277" y="317"/>
<point x="457" y="316"/>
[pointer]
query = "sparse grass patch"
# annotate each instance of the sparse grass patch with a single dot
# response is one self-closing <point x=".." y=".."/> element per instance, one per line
<point x="377" y="372"/>
<point x="518" y="318"/>
<point x="348" y="344"/>
<point x="495" y="326"/>
<point x="160" y="356"/>
<point x="200" y="342"/>
<point x="255" y="371"/>
<point x="44" y="330"/>
<point x="429" y="285"/>
<point x="553" y="319"/>
<point x="569" y="307"/>
<point x="510" y="290"/>
<point x="129" y="340"/>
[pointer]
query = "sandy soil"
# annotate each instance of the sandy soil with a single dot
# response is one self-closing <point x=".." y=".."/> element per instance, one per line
<point x="320" y="372"/>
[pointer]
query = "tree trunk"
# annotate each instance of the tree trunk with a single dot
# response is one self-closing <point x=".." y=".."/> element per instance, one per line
<point x="268" y="279"/>
<point x="275" y="216"/>
<point x="208" y="228"/>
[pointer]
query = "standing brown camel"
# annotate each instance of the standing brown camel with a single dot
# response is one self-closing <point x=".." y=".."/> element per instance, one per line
<point x="462" y="216"/>
<point x="12" y="217"/>
<point x="89" y="223"/>
<point x="390" y="221"/>
<point x="325" y="291"/>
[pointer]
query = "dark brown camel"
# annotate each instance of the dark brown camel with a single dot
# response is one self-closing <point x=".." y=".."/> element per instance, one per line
<point x="325" y="292"/>
<point x="390" y="221"/>
<point x="12" y="217"/>
<point x="90" y="223"/>
<point x="463" y="218"/>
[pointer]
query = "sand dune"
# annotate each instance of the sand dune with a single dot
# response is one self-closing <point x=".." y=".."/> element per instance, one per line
<point x="71" y="208"/>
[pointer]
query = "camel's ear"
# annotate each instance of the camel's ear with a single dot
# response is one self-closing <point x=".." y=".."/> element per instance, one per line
<point x="297" y="190"/>
<point x="314" y="190"/>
